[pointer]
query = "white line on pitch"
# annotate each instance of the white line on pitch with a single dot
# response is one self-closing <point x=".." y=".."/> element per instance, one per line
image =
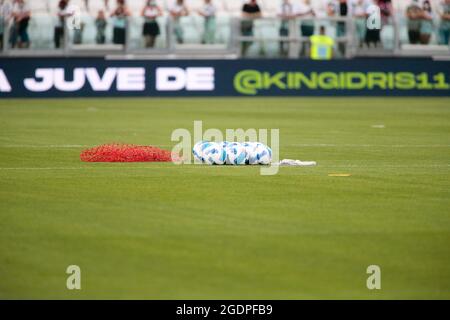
<point x="375" y="145"/>
<point x="51" y="146"/>
<point x="77" y="168"/>
<point x="68" y="146"/>
<point x="56" y="146"/>
<point x="205" y="167"/>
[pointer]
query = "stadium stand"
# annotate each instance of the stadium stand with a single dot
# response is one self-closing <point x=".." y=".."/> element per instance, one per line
<point x="394" y="35"/>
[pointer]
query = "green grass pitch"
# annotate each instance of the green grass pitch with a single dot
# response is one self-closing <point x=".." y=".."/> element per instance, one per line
<point x="160" y="231"/>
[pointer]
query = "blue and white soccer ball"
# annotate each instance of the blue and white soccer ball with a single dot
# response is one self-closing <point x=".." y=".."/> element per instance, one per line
<point x="225" y="143"/>
<point x="197" y="151"/>
<point x="214" y="153"/>
<point x="209" y="153"/>
<point x="236" y="154"/>
<point x="249" y="150"/>
<point x="258" y="153"/>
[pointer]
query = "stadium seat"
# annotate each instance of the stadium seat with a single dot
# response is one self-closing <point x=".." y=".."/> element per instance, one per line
<point x="270" y="7"/>
<point x="44" y="19"/>
<point x="39" y="6"/>
<point x="41" y="31"/>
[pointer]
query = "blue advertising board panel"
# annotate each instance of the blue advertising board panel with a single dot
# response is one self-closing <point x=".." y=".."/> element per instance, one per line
<point x="97" y="77"/>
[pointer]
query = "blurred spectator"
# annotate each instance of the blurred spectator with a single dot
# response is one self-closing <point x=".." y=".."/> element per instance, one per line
<point x="177" y="11"/>
<point x="342" y="11"/>
<point x="5" y="12"/>
<point x="373" y="32"/>
<point x="100" y="24"/>
<point x="414" y="14"/>
<point x="62" y="13"/>
<point x="385" y="11"/>
<point x="151" y="29"/>
<point x="250" y="11"/>
<point x="120" y="16"/>
<point x="359" y="13"/>
<point x="286" y="13"/>
<point x="331" y="8"/>
<point x="306" y="14"/>
<point x="208" y="12"/>
<point x="426" y="27"/>
<point x="320" y="8"/>
<point x="78" y="34"/>
<point x="21" y="15"/>
<point x="341" y="31"/>
<point x="321" y="45"/>
<point x="444" y="29"/>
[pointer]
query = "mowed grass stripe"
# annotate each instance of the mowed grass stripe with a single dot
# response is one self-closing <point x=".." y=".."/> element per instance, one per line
<point x="179" y="232"/>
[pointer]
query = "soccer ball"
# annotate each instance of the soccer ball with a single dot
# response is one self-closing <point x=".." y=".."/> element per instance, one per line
<point x="236" y="154"/>
<point x="225" y="144"/>
<point x="214" y="153"/>
<point x="197" y="151"/>
<point x="258" y="153"/>
<point x="251" y="157"/>
<point x="249" y="150"/>
<point x="209" y="152"/>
